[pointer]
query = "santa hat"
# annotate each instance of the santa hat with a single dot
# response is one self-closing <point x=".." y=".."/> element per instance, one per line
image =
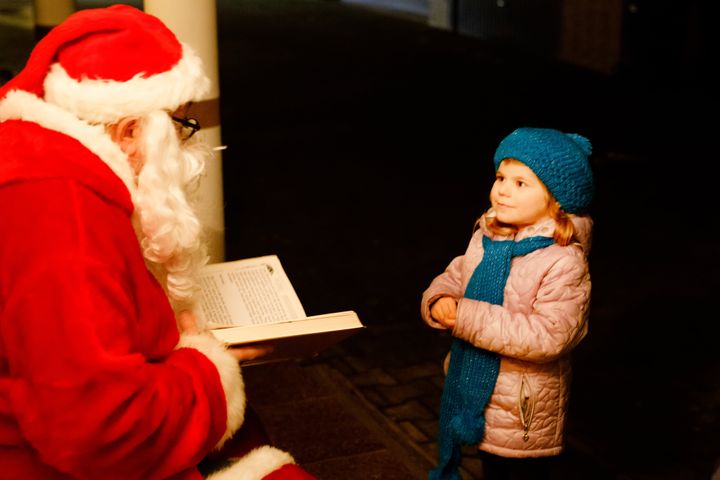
<point x="108" y="63"/>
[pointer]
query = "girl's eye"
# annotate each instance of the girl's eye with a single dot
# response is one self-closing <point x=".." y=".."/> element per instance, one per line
<point x="520" y="183"/>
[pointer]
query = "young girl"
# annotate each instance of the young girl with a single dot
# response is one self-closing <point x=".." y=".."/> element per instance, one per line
<point x="516" y="303"/>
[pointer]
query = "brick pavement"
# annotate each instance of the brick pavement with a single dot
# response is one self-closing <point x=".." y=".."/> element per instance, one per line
<point x="403" y="380"/>
<point x="310" y="410"/>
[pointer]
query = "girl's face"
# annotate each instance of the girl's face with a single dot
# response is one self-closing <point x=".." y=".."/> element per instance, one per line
<point x="518" y="196"/>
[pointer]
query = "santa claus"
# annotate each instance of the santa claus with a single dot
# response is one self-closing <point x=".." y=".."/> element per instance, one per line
<point x="98" y="251"/>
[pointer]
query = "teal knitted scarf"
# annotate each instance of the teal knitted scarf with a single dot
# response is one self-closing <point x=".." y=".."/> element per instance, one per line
<point x="472" y="372"/>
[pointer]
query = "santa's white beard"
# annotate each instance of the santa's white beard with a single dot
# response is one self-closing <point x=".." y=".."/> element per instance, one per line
<point x="170" y="233"/>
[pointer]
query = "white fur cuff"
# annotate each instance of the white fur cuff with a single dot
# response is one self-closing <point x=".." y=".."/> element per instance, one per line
<point x="255" y="465"/>
<point x="230" y="376"/>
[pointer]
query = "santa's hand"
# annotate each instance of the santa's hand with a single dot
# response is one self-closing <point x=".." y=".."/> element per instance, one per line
<point x="249" y="352"/>
<point x="187" y="322"/>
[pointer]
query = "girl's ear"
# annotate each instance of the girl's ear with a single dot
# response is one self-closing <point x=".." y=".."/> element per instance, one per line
<point x="126" y="133"/>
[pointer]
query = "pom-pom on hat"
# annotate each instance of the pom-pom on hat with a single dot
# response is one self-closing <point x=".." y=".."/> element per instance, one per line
<point x="560" y="160"/>
<point x="108" y="63"/>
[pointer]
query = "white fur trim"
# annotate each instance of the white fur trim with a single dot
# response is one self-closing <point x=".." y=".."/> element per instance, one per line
<point x="21" y="105"/>
<point x="255" y="465"/>
<point x="230" y="376"/>
<point x="105" y="101"/>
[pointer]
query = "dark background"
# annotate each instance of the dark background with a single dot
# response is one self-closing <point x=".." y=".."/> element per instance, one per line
<point x="360" y="150"/>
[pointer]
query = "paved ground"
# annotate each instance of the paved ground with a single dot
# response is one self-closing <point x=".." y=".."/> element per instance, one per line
<point x="359" y="149"/>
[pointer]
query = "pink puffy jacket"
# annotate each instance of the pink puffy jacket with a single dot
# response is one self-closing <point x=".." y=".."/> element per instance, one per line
<point x="543" y="318"/>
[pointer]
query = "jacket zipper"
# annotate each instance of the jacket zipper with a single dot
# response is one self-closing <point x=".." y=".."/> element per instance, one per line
<point x="526" y="405"/>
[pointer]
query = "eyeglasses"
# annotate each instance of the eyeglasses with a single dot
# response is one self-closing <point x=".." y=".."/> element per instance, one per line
<point x="187" y="127"/>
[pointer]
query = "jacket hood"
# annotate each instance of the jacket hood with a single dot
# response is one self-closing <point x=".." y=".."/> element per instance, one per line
<point x="583" y="231"/>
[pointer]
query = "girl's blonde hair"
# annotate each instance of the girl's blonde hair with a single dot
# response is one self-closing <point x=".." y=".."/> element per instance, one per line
<point x="564" y="229"/>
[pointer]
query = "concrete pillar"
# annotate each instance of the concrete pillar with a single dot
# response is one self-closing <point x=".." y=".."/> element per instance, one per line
<point x="195" y="23"/>
<point x="50" y="13"/>
<point x="439" y="15"/>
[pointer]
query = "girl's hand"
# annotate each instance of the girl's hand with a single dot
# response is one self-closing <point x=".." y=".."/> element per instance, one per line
<point x="444" y="311"/>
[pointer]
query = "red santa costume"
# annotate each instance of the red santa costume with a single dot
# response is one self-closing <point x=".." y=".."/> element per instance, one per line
<point x="95" y="380"/>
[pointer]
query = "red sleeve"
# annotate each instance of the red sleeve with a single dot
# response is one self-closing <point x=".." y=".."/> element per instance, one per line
<point x="88" y="392"/>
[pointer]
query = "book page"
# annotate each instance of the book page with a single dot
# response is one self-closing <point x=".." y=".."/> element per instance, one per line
<point x="253" y="291"/>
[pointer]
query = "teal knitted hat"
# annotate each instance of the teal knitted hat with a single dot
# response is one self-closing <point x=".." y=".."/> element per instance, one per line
<point x="560" y="160"/>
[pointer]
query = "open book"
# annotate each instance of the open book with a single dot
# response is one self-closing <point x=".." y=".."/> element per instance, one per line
<point x="252" y="301"/>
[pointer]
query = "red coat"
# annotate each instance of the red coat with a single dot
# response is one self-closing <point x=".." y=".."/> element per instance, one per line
<point x="92" y="382"/>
